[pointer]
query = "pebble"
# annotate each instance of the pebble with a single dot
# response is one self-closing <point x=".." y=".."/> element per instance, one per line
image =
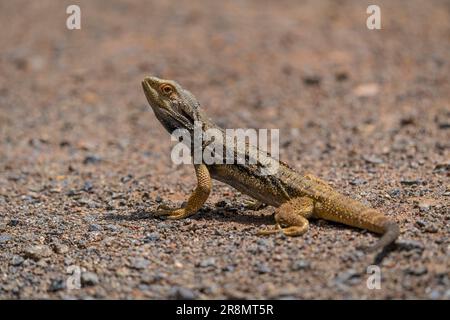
<point x="372" y="159"/>
<point x="262" y="268"/>
<point x="126" y="178"/>
<point x="5" y="238"/>
<point x="425" y="205"/>
<point x="442" y="167"/>
<point x="89" y="279"/>
<point x="209" y="262"/>
<point x="87" y="187"/>
<point x="13" y="222"/>
<point x="57" y="285"/>
<point x="366" y="90"/>
<point x="410" y="244"/>
<point x="92" y="159"/>
<point x="221" y="204"/>
<point x="17" y="260"/>
<point x="264" y="242"/>
<point x="416" y="271"/>
<point x="300" y="265"/>
<point x="151" y="278"/>
<point x="61" y="248"/>
<point x="347" y="276"/>
<point x="37" y="252"/>
<point x="112" y="227"/>
<point x="95" y="227"/>
<point x="153" y="236"/>
<point x="229" y="268"/>
<point x="410" y="182"/>
<point x="182" y="293"/>
<point x="312" y="80"/>
<point x="139" y="263"/>
<point x="341" y="75"/>
<point x="435" y="294"/>
<point x="394" y="193"/>
<point x="358" y="182"/>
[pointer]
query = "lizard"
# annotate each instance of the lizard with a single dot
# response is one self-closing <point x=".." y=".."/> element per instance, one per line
<point x="297" y="198"/>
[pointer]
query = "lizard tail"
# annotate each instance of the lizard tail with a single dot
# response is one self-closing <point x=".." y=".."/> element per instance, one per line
<point x="391" y="232"/>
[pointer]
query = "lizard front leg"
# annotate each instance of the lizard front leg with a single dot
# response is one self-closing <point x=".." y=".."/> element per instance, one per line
<point x="318" y="181"/>
<point x="292" y="217"/>
<point x="197" y="198"/>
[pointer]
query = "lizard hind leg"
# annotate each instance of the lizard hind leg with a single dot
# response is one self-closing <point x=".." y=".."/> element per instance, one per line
<point x="291" y="217"/>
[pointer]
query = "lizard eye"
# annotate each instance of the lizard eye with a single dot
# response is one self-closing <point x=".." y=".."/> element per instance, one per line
<point x="166" y="89"/>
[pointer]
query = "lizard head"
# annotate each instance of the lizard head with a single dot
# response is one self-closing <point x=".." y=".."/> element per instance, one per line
<point x="174" y="107"/>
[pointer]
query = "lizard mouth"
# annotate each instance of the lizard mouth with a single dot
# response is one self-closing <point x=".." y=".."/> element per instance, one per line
<point x="150" y="93"/>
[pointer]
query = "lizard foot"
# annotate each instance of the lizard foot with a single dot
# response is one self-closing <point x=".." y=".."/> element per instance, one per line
<point x="172" y="214"/>
<point x="267" y="231"/>
<point x="254" y="205"/>
<point x="292" y="231"/>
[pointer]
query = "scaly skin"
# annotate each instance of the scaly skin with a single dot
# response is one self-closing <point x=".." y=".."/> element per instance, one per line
<point x="296" y="198"/>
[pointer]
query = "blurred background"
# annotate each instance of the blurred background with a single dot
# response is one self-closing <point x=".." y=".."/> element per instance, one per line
<point x="82" y="159"/>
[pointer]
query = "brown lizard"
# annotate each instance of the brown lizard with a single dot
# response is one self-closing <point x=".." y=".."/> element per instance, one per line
<point x="296" y="198"/>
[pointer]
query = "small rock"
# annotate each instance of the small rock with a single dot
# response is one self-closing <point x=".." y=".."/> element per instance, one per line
<point x="426" y="227"/>
<point x="410" y="182"/>
<point x="442" y="167"/>
<point x="111" y="227"/>
<point x="410" y="244"/>
<point x="5" y="238"/>
<point x="182" y="293"/>
<point x="434" y="295"/>
<point x="341" y="76"/>
<point x="151" y="278"/>
<point x="394" y="193"/>
<point x="61" y="248"/>
<point x="312" y="80"/>
<point x="37" y="252"/>
<point x="17" y="260"/>
<point x="229" y="268"/>
<point x="153" y="236"/>
<point x="358" y="182"/>
<point x="122" y="272"/>
<point x="13" y="222"/>
<point x="425" y="205"/>
<point x="431" y="228"/>
<point x="372" y="159"/>
<point x="366" y="90"/>
<point x="71" y="193"/>
<point x="421" y="223"/>
<point x="139" y="263"/>
<point x="92" y="159"/>
<point x="416" y="271"/>
<point x="264" y="242"/>
<point x="262" y="268"/>
<point x="210" y="262"/>
<point x="89" y="279"/>
<point x="221" y="204"/>
<point x="347" y="276"/>
<point x="127" y="178"/>
<point x="300" y="265"/>
<point x="57" y="285"/>
<point x="95" y="227"/>
<point x="87" y="187"/>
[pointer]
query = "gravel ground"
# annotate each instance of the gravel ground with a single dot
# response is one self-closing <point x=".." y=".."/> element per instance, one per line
<point x="84" y="163"/>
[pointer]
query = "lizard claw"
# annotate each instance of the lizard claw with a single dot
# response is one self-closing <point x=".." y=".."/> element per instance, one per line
<point x="254" y="205"/>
